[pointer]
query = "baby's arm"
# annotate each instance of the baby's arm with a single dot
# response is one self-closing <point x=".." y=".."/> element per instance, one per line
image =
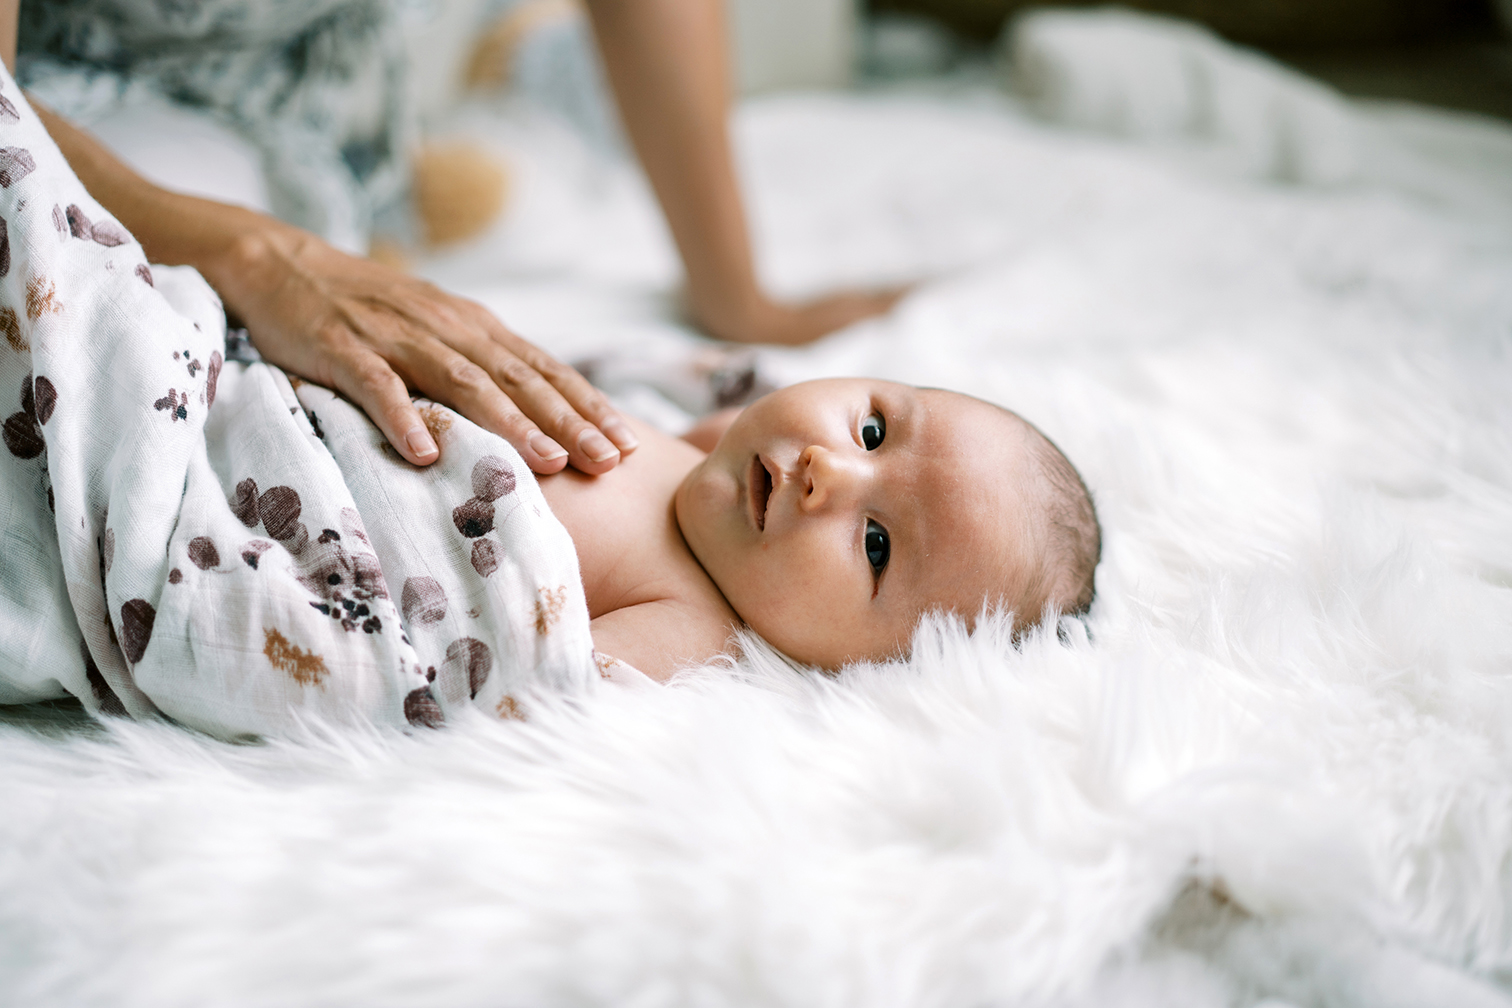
<point x="705" y="434"/>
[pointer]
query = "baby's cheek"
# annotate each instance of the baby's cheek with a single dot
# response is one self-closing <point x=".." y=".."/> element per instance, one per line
<point x="800" y="620"/>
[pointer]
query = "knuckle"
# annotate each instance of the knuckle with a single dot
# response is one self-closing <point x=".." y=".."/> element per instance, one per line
<point x="595" y="403"/>
<point x="464" y="374"/>
<point x="373" y="372"/>
<point x="549" y="366"/>
<point x="564" y="419"/>
<point x="516" y="373"/>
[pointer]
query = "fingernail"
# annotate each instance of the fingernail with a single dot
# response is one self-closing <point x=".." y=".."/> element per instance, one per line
<point x="420" y="442"/>
<point x="546" y="448"/>
<point x="620" y="433"/>
<point x="596" y="446"/>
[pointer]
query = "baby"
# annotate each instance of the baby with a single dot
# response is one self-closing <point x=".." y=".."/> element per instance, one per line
<point x="828" y="518"/>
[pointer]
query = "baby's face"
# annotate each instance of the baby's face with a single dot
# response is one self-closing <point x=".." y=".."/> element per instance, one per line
<point x="833" y="514"/>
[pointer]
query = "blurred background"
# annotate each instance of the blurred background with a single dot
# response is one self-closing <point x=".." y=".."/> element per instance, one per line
<point x="1455" y="53"/>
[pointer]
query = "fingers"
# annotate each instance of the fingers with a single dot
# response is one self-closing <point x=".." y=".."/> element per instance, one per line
<point x="368" y="380"/>
<point x="589" y="408"/>
<point x="493" y="397"/>
<point x="380" y="338"/>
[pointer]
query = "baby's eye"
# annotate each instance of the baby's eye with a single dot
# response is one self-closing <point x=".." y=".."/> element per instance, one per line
<point x="877" y="546"/>
<point x="873" y="430"/>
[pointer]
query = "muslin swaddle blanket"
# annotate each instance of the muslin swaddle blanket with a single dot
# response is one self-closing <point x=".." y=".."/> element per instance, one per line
<point x="213" y="541"/>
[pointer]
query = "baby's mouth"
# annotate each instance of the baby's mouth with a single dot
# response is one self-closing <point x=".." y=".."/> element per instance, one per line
<point x="760" y="491"/>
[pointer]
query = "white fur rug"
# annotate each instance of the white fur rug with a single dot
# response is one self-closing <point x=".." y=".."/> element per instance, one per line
<point x="1279" y="772"/>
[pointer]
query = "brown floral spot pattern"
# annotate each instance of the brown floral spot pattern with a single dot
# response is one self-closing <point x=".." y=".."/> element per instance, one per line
<point x="11" y="326"/>
<point x="492" y="478"/>
<point x="548" y="608"/>
<point x="8" y="113"/>
<point x="175" y="576"/>
<point x="280" y="507"/>
<point x="604" y="663"/>
<point x="474" y="518"/>
<point x="4" y="248"/>
<point x="423" y="600"/>
<point x="212" y="373"/>
<point x="21" y="434"/>
<point x="137" y="617"/>
<point x="59" y="221"/>
<point x="509" y="709"/>
<point x="176" y="403"/>
<point x="422" y="710"/>
<point x="78" y="224"/>
<point x="39" y="300"/>
<point x="202" y="552"/>
<point x="344" y="583"/>
<point x="469" y="658"/>
<point x="244" y="503"/>
<point x="110" y="234"/>
<point x="304" y="667"/>
<point x="145" y="273"/>
<point x="106" y="232"/>
<point x="15" y="164"/>
<point x="485" y="557"/>
<point x="351" y="524"/>
<point x="253" y="551"/>
<point x="46" y="397"/>
<point x="107" y="550"/>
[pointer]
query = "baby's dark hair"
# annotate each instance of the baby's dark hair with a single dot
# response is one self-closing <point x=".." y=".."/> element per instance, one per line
<point x="1071" y="539"/>
<point x="1074" y="536"/>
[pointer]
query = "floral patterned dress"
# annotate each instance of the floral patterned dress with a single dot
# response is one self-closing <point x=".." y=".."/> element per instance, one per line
<point x="317" y="86"/>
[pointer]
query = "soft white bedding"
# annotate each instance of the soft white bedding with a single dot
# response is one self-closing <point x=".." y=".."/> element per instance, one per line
<point x="1277" y="773"/>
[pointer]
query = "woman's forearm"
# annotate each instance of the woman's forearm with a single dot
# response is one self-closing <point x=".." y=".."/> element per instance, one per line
<point x="223" y="242"/>
<point x="668" y="63"/>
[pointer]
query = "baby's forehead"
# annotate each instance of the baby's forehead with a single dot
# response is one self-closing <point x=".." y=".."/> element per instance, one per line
<point x="980" y="502"/>
<point x="975" y="433"/>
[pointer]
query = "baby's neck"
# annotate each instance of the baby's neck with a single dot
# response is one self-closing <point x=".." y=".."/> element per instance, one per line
<point x="651" y="603"/>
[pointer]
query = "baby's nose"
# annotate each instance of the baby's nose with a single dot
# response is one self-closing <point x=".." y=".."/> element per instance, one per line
<point x="827" y="479"/>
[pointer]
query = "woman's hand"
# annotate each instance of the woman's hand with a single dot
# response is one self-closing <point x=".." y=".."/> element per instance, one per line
<point x="373" y="333"/>
<point x="761" y="320"/>
<point x="366" y="330"/>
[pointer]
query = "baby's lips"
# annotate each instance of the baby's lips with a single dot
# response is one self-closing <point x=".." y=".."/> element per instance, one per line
<point x="754" y="504"/>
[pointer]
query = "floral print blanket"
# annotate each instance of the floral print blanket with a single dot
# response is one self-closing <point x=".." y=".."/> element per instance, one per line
<point x="217" y="542"/>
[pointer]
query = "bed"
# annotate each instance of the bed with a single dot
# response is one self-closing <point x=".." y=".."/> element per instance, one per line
<point x="1272" y="767"/>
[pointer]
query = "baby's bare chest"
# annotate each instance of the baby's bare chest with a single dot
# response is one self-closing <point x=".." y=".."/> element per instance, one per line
<point x="629" y="548"/>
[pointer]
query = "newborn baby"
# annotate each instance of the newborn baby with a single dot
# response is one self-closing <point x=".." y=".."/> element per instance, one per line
<point x="828" y="518"/>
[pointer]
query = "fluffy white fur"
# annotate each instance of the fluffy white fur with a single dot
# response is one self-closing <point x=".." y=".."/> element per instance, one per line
<point x="1277" y="771"/>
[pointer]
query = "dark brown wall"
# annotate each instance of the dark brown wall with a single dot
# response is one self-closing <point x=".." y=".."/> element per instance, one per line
<point x="1264" y="23"/>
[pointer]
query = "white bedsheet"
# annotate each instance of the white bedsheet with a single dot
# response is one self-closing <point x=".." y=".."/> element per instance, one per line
<point x="1280" y="769"/>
